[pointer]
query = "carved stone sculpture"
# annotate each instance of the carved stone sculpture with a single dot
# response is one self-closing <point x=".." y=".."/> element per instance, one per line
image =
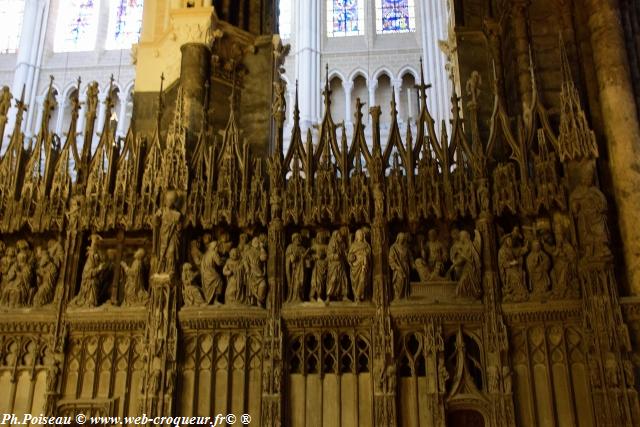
<point x="400" y="265"/>
<point x="359" y="259"/>
<point x="563" y="273"/>
<point x="337" y="281"/>
<point x="511" y="271"/>
<point x="256" y="256"/>
<point x="468" y="265"/>
<point x="17" y="290"/>
<point x="295" y="257"/>
<point x="47" y="274"/>
<point x="234" y="272"/>
<point x="167" y="232"/>
<point x="320" y="267"/>
<point x="212" y="283"/>
<point x="538" y="264"/>
<point x="191" y="292"/>
<point x="93" y="275"/>
<point x="134" y="287"/>
<point x="589" y="206"/>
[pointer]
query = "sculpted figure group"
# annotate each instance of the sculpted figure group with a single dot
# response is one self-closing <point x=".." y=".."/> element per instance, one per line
<point x="28" y="277"/>
<point x="463" y="259"/>
<point x="537" y="268"/>
<point x="224" y="274"/>
<point x="330" y="268"/>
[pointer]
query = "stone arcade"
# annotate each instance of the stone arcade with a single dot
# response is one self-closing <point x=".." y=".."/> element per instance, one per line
<point x="195" y="268"/>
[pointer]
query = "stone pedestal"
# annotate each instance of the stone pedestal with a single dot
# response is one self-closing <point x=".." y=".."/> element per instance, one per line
<point x="621" y="127"/>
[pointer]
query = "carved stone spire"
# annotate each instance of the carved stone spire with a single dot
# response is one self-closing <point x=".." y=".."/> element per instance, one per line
<point x="576" y="140"/>
<point x="327" y="92"/>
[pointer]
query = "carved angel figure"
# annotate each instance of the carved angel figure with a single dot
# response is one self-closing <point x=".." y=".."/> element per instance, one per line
<point x="234" y="272"/>
<point x="511" y="271"/>
<point x="134" y="291"/>
<point x="337" y="281"/>
<point x="212" y="283"/>
<point x="47" y="274"/>
<point x="359" y="259"/>
<point x="191" y="292"/>
<point x="92" y="280"/>
<point x="538" y="264"/>
<point x="400" y="264"/>
<point x="256" y="256"/>
<point x="295" y="257"/>
<point x="468" y="263"/>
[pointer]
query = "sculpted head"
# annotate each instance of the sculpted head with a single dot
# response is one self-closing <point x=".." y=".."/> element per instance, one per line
<point x="433" y="235"/>
<point x="170" y="199"/>
<point x="359" y="236"/>
<point x="295" y="238"/>
<point x="233" y="254"/>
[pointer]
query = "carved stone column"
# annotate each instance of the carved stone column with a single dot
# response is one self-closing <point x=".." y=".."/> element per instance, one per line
<point x="620" y="116"/>
<point x="161" y="339"/>
<point x="194" y="74"/>
<point x="521" y="39"/>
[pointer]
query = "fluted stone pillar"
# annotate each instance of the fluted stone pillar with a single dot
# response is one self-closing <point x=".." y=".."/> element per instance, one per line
<point x="520" y="34"/>
<point x="194" y="74"/>
<point x="622" y="131"/>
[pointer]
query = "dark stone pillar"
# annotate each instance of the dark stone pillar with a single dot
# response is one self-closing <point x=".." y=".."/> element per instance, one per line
<point x="194" y="74"/>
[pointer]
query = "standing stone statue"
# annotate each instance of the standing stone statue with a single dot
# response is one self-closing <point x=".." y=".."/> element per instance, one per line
<point x="295" y="257"/>
<point x="134" y="289"/>
<point x="538" y="264"/>
<point x="47" y="274"/>
<point x="234" y="272"/>
<point x="467" y="262"/>
<point x="400" y="264"/>
<point x="563" y="273"/>
<point x="456" y="247"/>
<point x="589" y="206"/>
<point x="256" y="257"/>
<point x="167" y="235"/>
<point x="320" y="267"/>
<point x="359" y="259"/>
<point x="510" y="257"/>
<point x="337" y="281"/>
<point x="212" y="283"/>
<point x="92" y="277"/>
<point x="17" y="290"/>
<point x="191" y="292"/>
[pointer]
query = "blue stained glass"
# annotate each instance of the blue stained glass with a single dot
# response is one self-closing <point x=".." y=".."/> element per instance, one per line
<point x="344" y="17"/>
<point x="77" y="25"/>
<point x="395" y="16"/>
<point x="81" y="21"/>
<point x="125" y="23"/>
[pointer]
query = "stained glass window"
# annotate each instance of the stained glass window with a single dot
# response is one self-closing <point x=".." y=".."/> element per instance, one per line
<point x="11" y="14"/>
<point x="345" y="18"/>
<point x="284" y="20"/>
<point x="395" y="16"/>
<point x="77" y="25"/>
<point x="125" y="22"/>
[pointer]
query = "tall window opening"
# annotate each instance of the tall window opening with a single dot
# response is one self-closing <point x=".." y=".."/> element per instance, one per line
<point x="77" y="25"/>
<point x="11" y="15"/>
<point x="395" y="16"/>
<point x="284" y="18"/>
<point x="345" y="18"/>
<point x="125" y="22"/>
